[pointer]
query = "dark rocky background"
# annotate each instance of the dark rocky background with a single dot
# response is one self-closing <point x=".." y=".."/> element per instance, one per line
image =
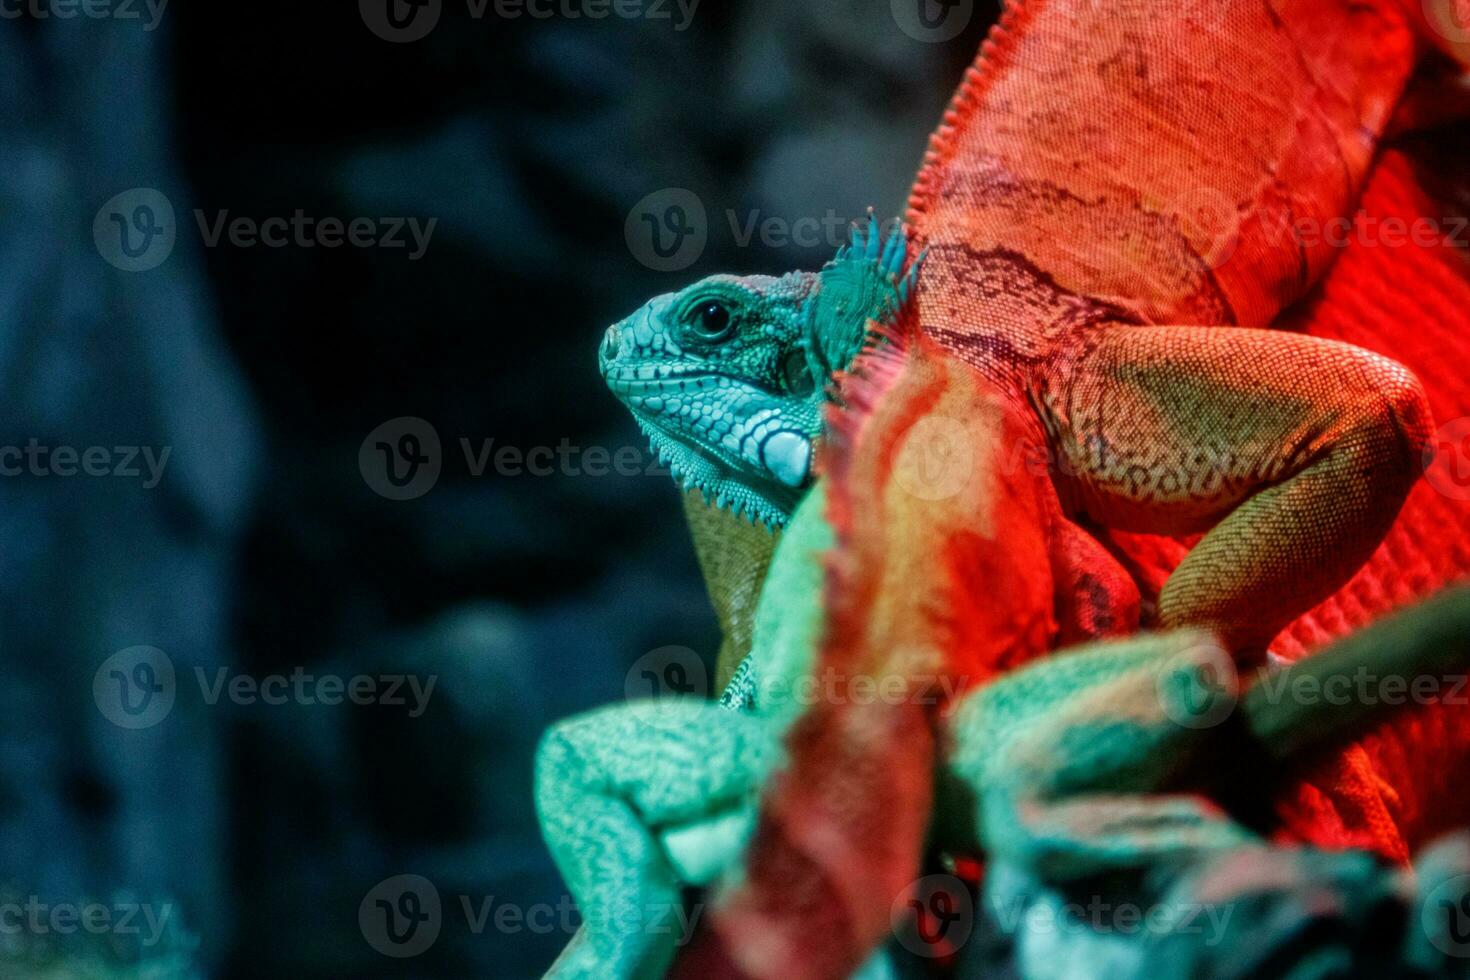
<point x="264" y="548"/>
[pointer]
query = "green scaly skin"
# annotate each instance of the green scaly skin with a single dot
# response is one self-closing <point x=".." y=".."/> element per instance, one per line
<point x="1075" y="765"/>
<point x="728" y="377"/>
<point x="637" y="800"/>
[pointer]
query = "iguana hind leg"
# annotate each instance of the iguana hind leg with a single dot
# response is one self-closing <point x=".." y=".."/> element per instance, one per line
<point x="635" y="802"/>
<point x="1066" y="759"/>
<point x="1293" y="453"/>
<point x="1074" y="764"/>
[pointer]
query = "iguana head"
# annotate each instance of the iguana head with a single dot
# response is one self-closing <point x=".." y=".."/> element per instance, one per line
<point x="727" y="377"/>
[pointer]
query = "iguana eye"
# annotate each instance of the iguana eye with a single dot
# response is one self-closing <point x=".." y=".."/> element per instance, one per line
<point x="796" y="374"/>
<point x="710" y="321"/>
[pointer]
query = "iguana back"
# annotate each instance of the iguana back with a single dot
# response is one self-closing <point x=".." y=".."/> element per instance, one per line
<point x="1184" y="169"/>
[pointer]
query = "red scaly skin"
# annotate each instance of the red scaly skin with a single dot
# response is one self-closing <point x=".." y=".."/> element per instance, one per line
<point x="1096" y="179"/>
<point x="1094" y="171"/>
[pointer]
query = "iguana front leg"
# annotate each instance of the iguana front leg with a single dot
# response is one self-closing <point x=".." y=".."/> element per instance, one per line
<point x="1293" y="453"/>
<point x="635" y="802"/>
<point x="638" y="800"/>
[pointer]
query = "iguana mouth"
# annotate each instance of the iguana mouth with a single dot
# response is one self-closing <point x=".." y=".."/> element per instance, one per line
<point x="677" y="381"/>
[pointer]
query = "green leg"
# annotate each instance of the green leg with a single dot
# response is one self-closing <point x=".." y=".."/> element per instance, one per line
<point x="1063" y="761"/>
<point x="1065" y="766"/>
<point x="635" y="802"/>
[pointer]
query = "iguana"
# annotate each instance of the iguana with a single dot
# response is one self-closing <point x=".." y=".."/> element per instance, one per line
<point x="1043" y="322"/>
<point x="639" y="801"/>
<point x="1260" y="436"/>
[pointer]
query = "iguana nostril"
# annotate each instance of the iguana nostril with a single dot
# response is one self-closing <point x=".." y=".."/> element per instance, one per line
<point x="610" y="343"/>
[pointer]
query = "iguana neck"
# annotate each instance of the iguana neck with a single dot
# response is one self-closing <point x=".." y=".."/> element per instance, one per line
<point x="733" y="554"/>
